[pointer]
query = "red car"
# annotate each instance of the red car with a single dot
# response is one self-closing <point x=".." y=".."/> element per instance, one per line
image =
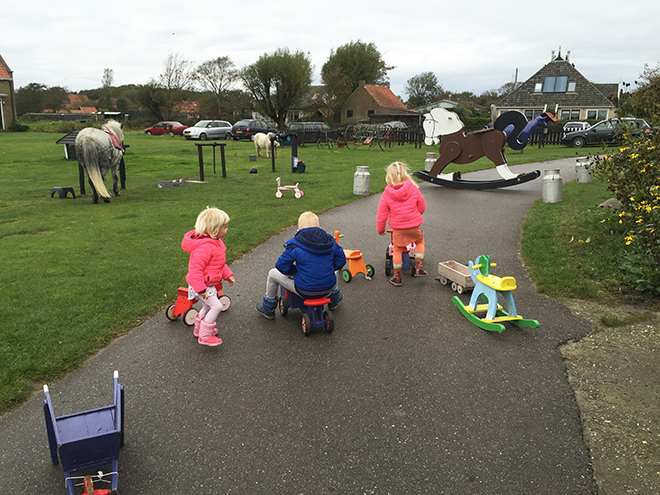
<point x="169" y="127"/>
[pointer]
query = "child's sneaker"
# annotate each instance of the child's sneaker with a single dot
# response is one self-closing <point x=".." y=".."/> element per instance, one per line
<point x="335" y="298"/>
<point x="267" y="307"/>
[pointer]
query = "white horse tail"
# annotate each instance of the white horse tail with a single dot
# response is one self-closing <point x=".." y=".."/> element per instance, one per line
<point x="90" y="157"/>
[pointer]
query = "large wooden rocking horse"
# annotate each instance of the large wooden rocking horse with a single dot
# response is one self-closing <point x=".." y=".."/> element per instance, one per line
<point x="459" y="147"/>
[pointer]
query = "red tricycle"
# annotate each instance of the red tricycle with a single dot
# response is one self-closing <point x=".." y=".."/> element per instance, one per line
<point x="184" y="307"/>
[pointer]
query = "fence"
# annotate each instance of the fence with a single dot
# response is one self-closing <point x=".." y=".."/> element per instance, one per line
<point x="415" y="136"/>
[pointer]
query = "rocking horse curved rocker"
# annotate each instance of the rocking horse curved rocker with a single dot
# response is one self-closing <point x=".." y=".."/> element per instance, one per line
<point x="488" y="287"/>
<point x="459" y="147"/>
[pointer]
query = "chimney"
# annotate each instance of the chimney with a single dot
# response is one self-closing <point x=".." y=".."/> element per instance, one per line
<point x="568" y="55"/>
<point x="362" y="84"/>
<point x="552" y="57"/>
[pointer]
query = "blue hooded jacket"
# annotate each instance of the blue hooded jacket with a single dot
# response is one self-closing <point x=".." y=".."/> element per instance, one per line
<point x="312" y="256"/>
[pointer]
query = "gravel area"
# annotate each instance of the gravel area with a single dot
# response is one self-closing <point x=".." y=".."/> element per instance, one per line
<point x="615" y="372"/>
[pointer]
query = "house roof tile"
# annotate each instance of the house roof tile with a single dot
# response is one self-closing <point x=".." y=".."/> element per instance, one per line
<point x="5" y="73"/>
<point x="384" y="96"/>
<point x="78" y="100"/>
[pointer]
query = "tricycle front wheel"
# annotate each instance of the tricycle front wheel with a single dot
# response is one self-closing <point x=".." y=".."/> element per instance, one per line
<point x="189" y="316"/>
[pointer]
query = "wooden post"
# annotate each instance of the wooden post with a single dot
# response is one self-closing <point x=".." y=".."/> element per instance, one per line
<point x="222" y="160"/>
<point x="200" y="156"/>
<point x="81" y="179"/>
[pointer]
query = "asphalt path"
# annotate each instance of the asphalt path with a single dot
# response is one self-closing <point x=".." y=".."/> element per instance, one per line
<point x="404" y="397"/>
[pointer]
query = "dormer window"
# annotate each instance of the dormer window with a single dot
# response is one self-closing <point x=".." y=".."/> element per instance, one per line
<point x="556" y="84"/>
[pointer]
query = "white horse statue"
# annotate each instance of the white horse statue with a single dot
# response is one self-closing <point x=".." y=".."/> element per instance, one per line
<point x="99" y="151"/>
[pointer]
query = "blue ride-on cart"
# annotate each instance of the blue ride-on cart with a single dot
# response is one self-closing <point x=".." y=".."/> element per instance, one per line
<point x="87" y="440"/>
<point x="314" y="313"/>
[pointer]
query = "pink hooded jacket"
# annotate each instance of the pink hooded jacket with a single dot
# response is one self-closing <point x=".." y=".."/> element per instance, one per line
<point x="207" y="261"/>
<point x="404" y="205"/>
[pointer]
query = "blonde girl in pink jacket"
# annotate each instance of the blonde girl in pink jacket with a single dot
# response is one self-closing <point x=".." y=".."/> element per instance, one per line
<point x="207" y="268"/>
<point x="404" y="204"/>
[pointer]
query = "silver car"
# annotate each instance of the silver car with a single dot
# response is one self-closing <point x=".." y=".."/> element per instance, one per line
<point x="209" y="129"/>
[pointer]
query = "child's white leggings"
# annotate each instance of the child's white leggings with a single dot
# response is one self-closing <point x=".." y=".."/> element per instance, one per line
<point x="211" y="307"/>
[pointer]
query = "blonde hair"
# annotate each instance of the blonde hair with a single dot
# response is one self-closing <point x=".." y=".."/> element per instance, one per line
<point x="210" y="221"/>
<point x="398" y="173"/>
<point x="307" y="219"/>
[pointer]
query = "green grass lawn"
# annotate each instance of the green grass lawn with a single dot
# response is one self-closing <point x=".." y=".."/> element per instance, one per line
<point x="569" y="250"/>
<point x="76" y="275"/>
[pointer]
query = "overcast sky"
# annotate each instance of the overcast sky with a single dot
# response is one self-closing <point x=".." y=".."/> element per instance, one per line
<point x="472" y="45"/>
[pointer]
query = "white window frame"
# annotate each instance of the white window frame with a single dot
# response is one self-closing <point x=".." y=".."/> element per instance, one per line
<point x="597" y="114"/>
<point x="573" y="114"/>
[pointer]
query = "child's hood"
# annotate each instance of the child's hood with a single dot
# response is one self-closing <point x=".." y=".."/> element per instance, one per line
<point x="192" y="241"/>
<point x="314" y="239"/>
<point x="400" y="192"/>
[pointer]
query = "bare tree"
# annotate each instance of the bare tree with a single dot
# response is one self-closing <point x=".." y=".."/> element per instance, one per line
<point x="108" y="78"/>
<point x="217" y="75"/>
<point x="177" y="77"/>
<point x="179" y="73"/>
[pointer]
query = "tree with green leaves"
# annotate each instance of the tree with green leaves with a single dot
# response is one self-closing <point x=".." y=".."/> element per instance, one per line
<point x="647" y="95"/>
<point x="423" y="89"/>
<point x="278" y="81"/>
<point x="56" y="98"/>
<point x="151" y="98"/>
<point x="217" y="76"/>
<point x="347" y="66"/>
<point x="30" y="98"/>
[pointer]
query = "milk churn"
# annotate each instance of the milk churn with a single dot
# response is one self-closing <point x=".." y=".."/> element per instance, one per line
<point x="430" y="160"/>
<point x="582" y="174"/>
<point x="361" y="180"/>
<point x="552" y="184"/>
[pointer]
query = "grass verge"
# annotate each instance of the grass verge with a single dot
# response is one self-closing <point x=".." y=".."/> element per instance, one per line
<point x="571" y="253"/>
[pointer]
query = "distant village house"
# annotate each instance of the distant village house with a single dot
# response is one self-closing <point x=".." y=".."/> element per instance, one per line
<point x="7" y="97"/>
<point x="375" y="105"/>
<point x="562" y="90"/>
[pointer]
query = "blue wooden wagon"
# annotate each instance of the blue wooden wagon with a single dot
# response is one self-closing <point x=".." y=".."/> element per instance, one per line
<point x="87" y="440"/>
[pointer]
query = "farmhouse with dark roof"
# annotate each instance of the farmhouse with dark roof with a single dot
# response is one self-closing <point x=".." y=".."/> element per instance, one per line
<point x="558" y="87"/>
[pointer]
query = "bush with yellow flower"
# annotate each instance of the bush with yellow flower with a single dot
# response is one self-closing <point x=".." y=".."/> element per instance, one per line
<point x="632" y="173"/>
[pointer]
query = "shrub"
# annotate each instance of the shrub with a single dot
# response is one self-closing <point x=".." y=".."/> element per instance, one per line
<point x="633" y="175"/>
<point x="18" y="126"/>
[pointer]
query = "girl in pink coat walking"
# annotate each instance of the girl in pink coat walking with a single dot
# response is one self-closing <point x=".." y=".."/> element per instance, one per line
<point x="404" y="204"/>
<point x="207" y="268"/>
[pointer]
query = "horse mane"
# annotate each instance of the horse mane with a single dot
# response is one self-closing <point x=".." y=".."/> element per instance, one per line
<point x="114" y="127"/>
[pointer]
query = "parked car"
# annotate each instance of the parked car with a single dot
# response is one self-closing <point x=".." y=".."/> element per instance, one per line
<point x="245" y="129"/>
<point x="309" y="132"/>
<point x="575" y="126"/>
<point x="209" y="129"/>
<point x="605" y="132"/>
<point x="167" y="127"/>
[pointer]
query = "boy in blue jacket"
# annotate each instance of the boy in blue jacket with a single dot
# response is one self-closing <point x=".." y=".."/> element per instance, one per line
<point x="307" y="266"/>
